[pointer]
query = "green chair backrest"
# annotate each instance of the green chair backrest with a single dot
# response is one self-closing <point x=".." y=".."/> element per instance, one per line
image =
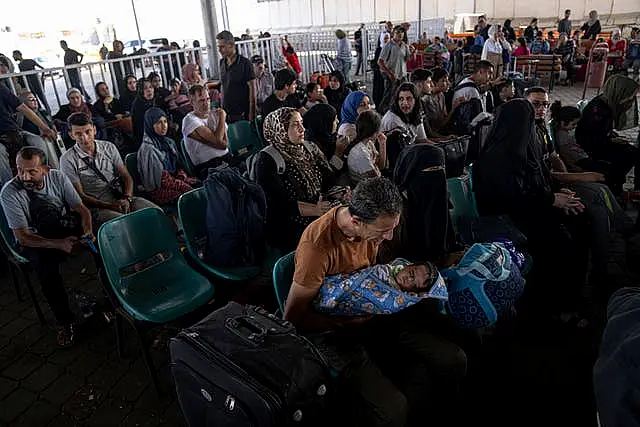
<point x="243" y="139"/>
<point x="192" y="211"/>
<point x="259" y="124"/>
<point x="188" y="164"/>
<point x="8" y="242"/>
<point x="134" y="238"/>
<point x="131" y="161"/>
<point x="464" y="212"/>
<point x="283" y="277"/>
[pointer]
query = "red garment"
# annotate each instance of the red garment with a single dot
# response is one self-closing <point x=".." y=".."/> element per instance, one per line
<point x="292" y="58"/>
<point x="521" y="50"/>
<point x="621" y="47"/>
<point x="171" y="188"/>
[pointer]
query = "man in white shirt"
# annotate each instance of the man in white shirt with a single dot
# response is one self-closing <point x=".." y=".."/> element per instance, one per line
<point x="476" y="85"/>
<point x="205" y="133"/>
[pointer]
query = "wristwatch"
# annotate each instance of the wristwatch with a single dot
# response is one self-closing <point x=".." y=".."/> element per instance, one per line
<point x="129" y="199"/>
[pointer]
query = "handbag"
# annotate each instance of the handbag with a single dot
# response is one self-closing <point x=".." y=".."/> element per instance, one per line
<point x="115" y="185"/>
<point x="455" y="151"/>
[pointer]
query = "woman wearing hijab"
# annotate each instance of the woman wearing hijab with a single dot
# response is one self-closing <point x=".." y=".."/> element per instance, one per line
<point x="511" y="178"/>
<point x="191" y="75"/>
<point x="293" y="195"/>
<point x="158" y="161"/>
<point x="356" y="102"/>
<point x="128" y="92"/>
<point x="337" y="90"/>
<point x="604" y="113"/>
<point x="144" y="100"/>
<point x="321" y="124"/>
<point x="426" y="232"/>
<point x="592" y="27"/>
<point x="76" y="105"/>
<point x="106" y="105"/>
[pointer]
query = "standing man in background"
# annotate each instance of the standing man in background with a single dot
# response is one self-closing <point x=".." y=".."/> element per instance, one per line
<point x="34" y="83"/>
<point x="238" y="81"/>
<point x="72" y="57"/>
<point x="564" y="25"/>
<point x="357" y="36"/>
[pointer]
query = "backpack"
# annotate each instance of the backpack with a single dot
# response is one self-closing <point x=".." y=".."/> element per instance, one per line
<point x="483" y="286"/>
<point x="235" y="219"/>
<point x="281" y="166"/>
<point x="49" y="220"/>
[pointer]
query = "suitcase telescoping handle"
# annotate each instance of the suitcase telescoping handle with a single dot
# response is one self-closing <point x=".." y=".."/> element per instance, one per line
<point x="246" y="328"/>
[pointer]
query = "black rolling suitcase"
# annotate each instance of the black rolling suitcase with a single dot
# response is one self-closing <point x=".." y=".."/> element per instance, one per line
<point x="242" y="366"/>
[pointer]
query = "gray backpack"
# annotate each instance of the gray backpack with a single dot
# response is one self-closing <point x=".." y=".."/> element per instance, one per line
<point x="252" y="160"/>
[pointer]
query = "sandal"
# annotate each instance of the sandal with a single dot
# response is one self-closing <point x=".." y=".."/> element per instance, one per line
<point x="573" y="321"/>
<point x="65" y="335"/>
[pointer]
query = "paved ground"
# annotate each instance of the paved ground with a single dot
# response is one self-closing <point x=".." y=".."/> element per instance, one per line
<point x="89" y="385"/>
<point x="86" y="385"/>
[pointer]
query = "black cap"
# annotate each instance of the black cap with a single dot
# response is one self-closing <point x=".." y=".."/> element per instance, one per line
<point x="257" y="59"/>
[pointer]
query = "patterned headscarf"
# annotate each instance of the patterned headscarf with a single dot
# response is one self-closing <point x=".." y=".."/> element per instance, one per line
<point x="276" y="132"/>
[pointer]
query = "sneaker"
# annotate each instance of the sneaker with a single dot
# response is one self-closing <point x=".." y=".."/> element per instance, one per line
<point x="65" y="335"/>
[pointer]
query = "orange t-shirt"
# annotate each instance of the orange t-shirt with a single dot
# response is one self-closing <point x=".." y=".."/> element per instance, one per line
<point x="324" y="250"/>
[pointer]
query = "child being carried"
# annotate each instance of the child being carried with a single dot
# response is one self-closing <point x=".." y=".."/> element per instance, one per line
<point x="380" y="289"/>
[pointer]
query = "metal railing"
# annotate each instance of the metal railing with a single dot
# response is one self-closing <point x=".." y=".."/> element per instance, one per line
<point x="309" y="46"/>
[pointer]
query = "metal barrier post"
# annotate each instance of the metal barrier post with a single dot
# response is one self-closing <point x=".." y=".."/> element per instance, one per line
<point x="55" y="89"/>
<point x="93" y="82"/>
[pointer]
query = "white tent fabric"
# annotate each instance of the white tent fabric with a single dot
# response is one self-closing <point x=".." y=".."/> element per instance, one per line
<point x="290" y="14"/>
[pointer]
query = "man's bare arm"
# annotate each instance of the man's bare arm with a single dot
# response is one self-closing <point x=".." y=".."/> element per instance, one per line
<point x="213" y="139"/>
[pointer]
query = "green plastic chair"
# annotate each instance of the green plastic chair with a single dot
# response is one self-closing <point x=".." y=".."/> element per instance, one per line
<point x="192" y="211"/>
<point x="283" y="277"/>
<point x="150" y="281"/>
<point x="259" y="125"/>
<point x="243" y="139"/>
<point x="581" y="104"/>
<point x="16" y="261"/>
<point x="188" y="164"/>
<point x="463" y="213"/>
<point x="131" y="162"/>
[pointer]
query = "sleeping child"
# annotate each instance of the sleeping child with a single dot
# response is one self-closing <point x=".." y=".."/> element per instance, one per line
<point x="380" y="289"/>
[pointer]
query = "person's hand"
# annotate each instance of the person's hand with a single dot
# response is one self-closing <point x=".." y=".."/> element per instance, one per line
<point x="412" y="49"/>
<point x="222" y="115"/>
<point x="67" y="243"/>
<point x="382" y="139"/>
<point x="322" y="206"/>
<point x="324" y="99"/>
<point x="341" y="144"/>
<point x="392" y="77"/>
<point x="119" y="116"/>
<point x="108" y="100"/>
<point x="123" y="206"/>
<point x="49" y="134"/>
<point x="568" y="203"/>
<point x="459" y="101"/>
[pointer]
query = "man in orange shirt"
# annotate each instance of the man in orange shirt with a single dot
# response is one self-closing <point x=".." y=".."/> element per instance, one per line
<point x="422" y="369"/>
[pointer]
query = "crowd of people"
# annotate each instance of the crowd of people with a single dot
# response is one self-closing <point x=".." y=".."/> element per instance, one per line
<point x="389" y="165"/>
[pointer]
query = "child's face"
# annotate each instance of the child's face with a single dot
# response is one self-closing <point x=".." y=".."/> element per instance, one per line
<point x="413" y="278"/>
